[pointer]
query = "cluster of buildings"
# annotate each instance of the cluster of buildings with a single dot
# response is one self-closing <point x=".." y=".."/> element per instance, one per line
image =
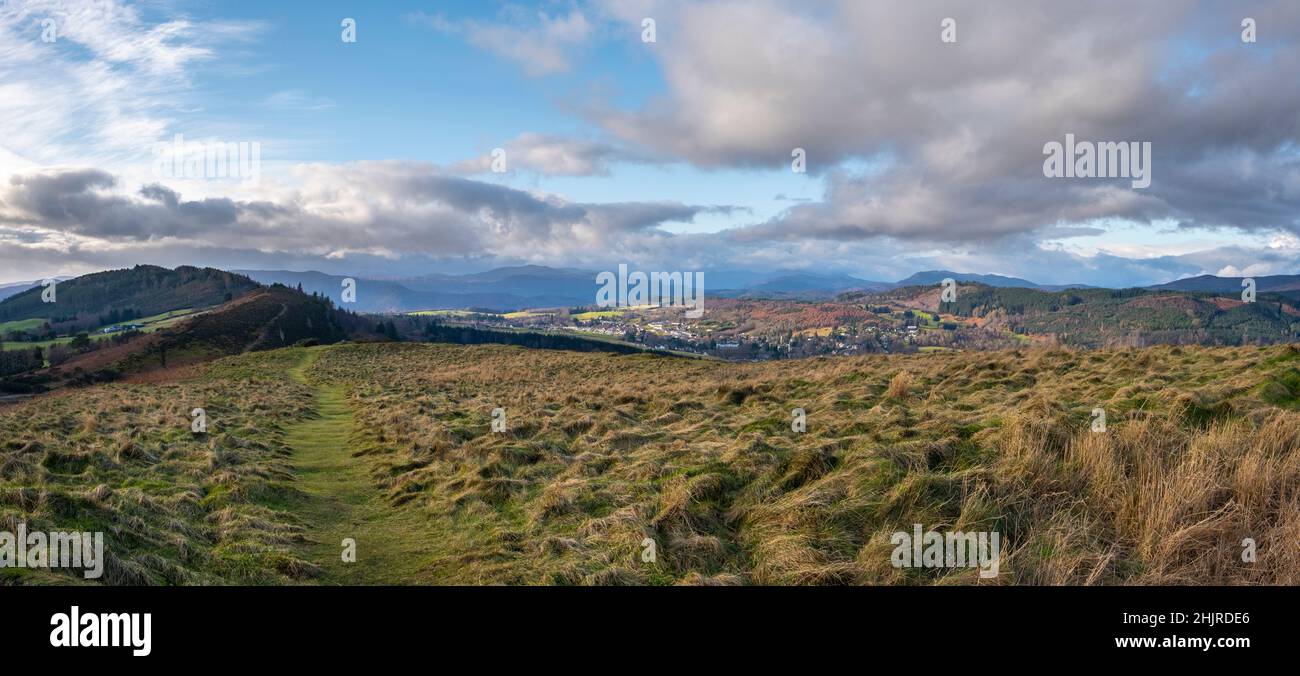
<point x="118" y="328"/>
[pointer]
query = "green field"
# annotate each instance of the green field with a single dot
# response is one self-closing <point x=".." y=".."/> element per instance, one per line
<point x="151" y="324"/>
<point x="42" y="344"/>
<point x="926" y="320"/>
<point x="599" y="314"/>
<point x="21" y="325"/>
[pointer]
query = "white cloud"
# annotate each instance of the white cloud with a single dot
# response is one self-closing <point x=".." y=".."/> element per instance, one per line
<point x="541" y="43"/>
<point x="296" y="99"/>
<point x="555" y="156"/>
<point x="1253" y="270"/>
<point x="107" y="87"/>
<point x="962" y="125"/>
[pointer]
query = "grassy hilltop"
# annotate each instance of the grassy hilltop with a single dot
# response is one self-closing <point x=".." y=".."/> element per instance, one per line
<point x="601" y="451"/>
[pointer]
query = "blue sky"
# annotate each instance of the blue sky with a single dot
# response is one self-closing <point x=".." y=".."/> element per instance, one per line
<point x="675" y="154"/>
<point x="419" y="94"/>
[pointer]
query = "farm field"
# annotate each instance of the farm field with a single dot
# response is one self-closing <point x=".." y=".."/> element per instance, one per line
<point x="20" y="325"/>
<point x="597" y="314"/>
<point x="604" y="457"/>
<point x="149" y="325"/>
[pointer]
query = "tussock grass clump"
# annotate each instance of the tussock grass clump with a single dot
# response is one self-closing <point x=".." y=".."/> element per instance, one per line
<point x="174" y="507"/>
<point x="900" y="385"/>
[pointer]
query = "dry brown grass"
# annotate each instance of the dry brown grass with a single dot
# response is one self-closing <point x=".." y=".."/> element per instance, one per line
<point x="175" y="508"/>
<point x="1202" y="450"/>
<point x="899" y="385"/>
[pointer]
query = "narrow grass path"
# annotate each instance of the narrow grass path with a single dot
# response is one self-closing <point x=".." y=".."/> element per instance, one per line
<point x="339" y="500"/>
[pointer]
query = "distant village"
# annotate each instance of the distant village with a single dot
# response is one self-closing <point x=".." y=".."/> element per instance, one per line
<point x="739" y="338"/>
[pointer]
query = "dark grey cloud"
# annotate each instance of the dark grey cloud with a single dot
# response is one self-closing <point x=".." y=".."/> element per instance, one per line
<point x="160" y="193"/>
<point x="78" y="201"/>
<point x="381" y="208"/>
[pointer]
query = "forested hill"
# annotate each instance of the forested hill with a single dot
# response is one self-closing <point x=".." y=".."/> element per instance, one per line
<point x="144" y="290"/>
<point x="1099" y="317"/>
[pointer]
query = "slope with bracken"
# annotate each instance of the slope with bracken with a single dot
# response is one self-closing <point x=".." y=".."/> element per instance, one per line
<point x="266" y="318"/>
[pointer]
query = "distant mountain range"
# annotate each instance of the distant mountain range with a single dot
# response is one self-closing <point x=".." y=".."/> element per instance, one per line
<point x="534" y="286"/>
<point x="807" y="285"/>
<point x="1212" y="284"/>
<point x="500" y="290"/>
<point x="936" y="277"/>
<point x="15" y="288"/>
